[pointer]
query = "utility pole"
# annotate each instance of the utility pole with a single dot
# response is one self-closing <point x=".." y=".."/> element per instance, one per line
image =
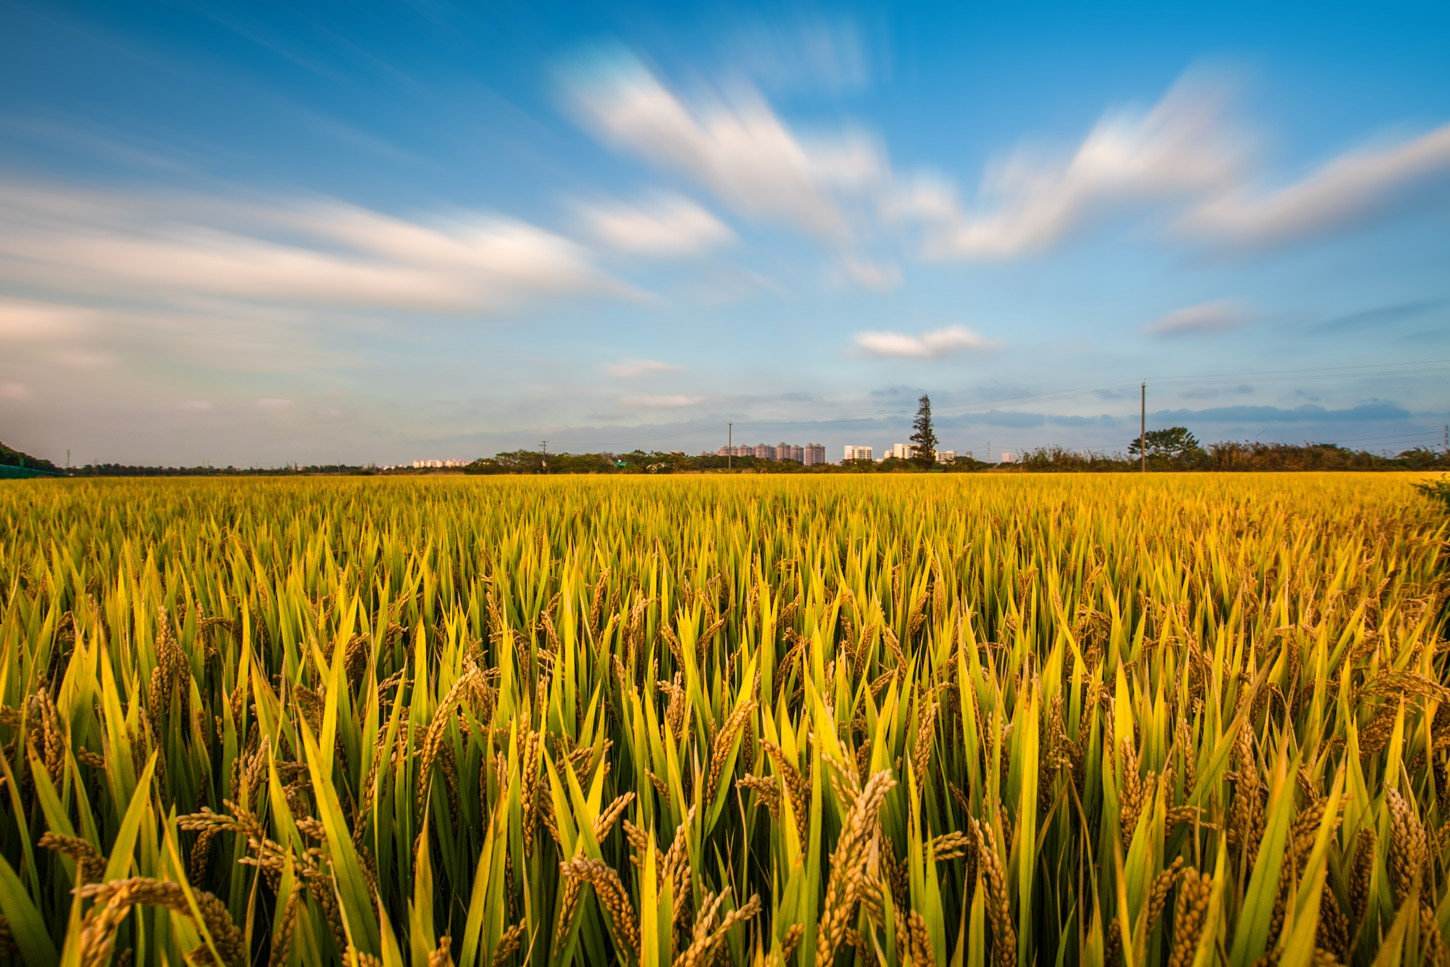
<point x="1143" y="427"/>
<point x="544" y="448"/>
<point x="1445" y="442"/>
<point x="729" y="445"/>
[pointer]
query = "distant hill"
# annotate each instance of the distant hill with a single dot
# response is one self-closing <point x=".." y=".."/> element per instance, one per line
<point x="18" y="458"/>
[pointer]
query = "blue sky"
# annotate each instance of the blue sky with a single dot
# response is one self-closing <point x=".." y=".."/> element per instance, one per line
<point x="374" y="232"/>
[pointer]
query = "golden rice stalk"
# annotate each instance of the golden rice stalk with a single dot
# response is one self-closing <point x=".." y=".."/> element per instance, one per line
<point x="46" y="732"/>
<point x="989" y="865"/>
<point x="1189" y="913"/>
<point x="1158" y="894"/>
<point x="848" y="878"/>
<point x="1409" y="847"/>
<point x="442" y="955"/>
<point x="720" y="748"/>
<point x="508" y="944"/>
<point x="90" y="864"/>
<point x="611" y="814"/>
<point x="951" y="846"/>
<point x="114" y="899"/>
<point x="286" y="927"/>
<point x="612" y="898"/>
<point x="568" y="905"/>
<point x="1431" y="938"/>
<point x="1361" y="875"/>
<point x="795" y="787"/>
<point x="466" y="684"/>
<point x="708" y="935"/>
<point x="766" y="790"/>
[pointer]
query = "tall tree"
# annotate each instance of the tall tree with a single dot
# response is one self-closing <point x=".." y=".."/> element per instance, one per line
<point x="923" y="451"/>
<point x="1172" y="445"/>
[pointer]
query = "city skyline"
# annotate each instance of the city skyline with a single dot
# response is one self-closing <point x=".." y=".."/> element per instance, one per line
<point x="263" y="235"/>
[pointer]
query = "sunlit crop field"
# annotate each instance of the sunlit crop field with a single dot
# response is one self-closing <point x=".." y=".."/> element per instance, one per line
<point x="898" y="719"/>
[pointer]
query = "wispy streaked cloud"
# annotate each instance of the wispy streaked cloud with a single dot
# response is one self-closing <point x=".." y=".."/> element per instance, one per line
<point x="876" y="276"/>
<point x="659" y="401"/>
<point x="13" y="390"/>
<point x="927" y="345"/>
<point x="635" y="368"/>
<point x="29" y="321"/>
<point x="282" y="250"/>
<point x="662" y="226"/>
<point x="1353" y="187"/>
<point x="1379" y="317"/>
<point x="731" y="143"/>
<point x="1206" y="317"/>
<point x="1186" y="157"/>
<point x="1373" y="411"/>
<point x="806" y="53"/>
<point x="1180" y="148"/>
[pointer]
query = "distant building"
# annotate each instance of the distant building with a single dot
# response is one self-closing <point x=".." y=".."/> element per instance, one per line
<point x="900" y="451"/>
<point x="764" y="452"/>
<point x="436" y="464"/>
<point x="946" y="456"/>
<point x="854" y="452"/>
<point x="1008" y="456"/>
<point x="813" y="455"/>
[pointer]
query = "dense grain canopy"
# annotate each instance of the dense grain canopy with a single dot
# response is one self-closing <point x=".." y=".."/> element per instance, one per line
<point x="1173" y="720"/>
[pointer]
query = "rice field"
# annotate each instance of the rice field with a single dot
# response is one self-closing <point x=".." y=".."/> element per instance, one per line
<point x="1180" y="719"/>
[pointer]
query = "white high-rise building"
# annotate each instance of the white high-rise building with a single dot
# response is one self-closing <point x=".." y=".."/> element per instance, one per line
<point x="854" y="452"/>
<point x="946" y="456"/>
<point x="900" y="451"/>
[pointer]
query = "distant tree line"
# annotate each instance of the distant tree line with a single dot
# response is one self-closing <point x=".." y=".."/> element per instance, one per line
<point x="130" y="470"/>
<point x="1175" y="448"/>
<point x="1171" y="448"/>
<point x="16" y="458"/>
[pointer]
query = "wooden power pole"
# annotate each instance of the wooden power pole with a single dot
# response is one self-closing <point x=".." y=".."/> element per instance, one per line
<point x="1143" y="427"/>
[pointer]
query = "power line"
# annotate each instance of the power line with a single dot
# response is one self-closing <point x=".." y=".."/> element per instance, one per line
<point x="1398" y="369"/>
<point x="1322" y="370"/>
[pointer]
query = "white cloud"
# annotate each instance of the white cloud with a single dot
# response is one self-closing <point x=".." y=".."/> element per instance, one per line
<point x="1184" y="153"/>
<point x="197" y="406"/>
<point x="274" y="404"/>
<point x="734" y="145"/>
<point x="659" y="401"/>
<point x="926" y="345"/>
<point x="635" y="368"/>
<point x="11" y="389"/>
<point x="876" y="276"/>
<point x="1180" y="149"/>
<point x="1353" y="186"/>
<point x="1205" y="317"/>
<point x="281" y="250"/>
<point x="665" y="226"/>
